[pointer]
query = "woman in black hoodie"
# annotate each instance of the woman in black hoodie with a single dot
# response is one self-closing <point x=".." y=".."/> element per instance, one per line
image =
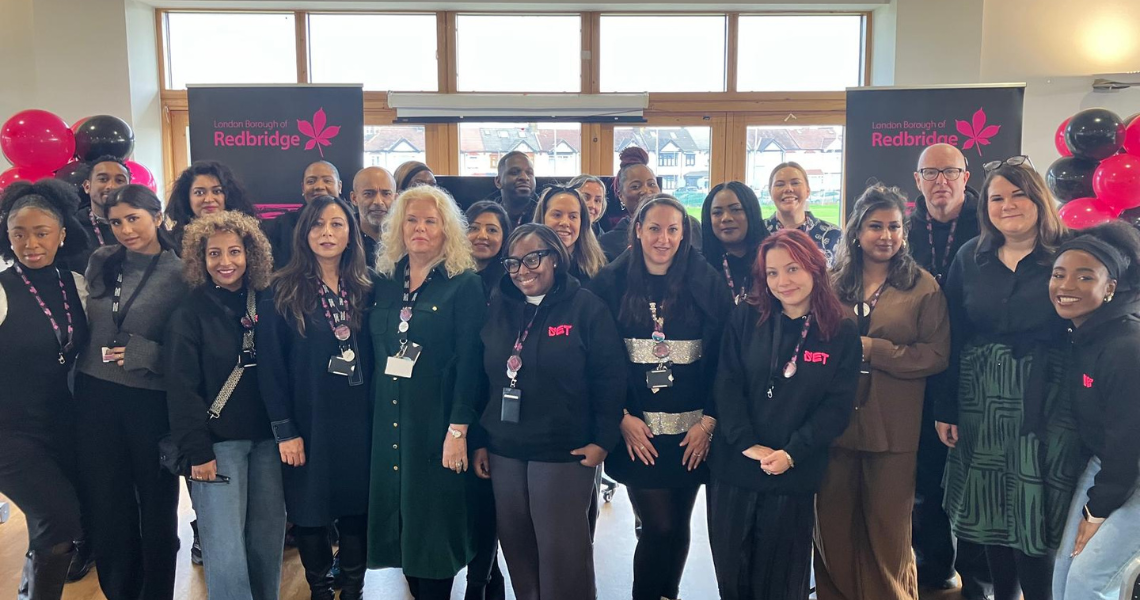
<point x="1096" y="286"/>
<point x="557" y="386"/>
<point x="670" y="308"/>
<point x="785" y="388"/>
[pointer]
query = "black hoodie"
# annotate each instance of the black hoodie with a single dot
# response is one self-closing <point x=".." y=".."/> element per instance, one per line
<point x="1104" y="379"/>
<point x="573" y="379"/>
<point x="922" y="227"/>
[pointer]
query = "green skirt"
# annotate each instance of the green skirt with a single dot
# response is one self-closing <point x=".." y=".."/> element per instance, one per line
<point x="1004" y="487"/>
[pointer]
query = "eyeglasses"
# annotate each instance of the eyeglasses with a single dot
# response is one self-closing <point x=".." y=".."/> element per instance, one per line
<point x="531" y="260"/>
<point x="951" y="173"/>
<point x="1013" y="161"/>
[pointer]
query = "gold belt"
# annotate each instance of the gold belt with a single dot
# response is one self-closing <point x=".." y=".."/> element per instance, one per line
<point x="661" y="423"/>
<point x="681" y="352"/>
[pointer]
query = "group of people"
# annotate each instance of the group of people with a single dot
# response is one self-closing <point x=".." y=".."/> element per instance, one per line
<point x="419" y="386"/>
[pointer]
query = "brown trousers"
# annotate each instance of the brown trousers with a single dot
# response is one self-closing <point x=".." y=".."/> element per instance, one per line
<point x="862" y="534"/>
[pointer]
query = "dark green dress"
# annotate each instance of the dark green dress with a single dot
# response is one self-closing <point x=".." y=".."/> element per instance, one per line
<point x="420" y="514"/>
<point x="1011" y="476"/>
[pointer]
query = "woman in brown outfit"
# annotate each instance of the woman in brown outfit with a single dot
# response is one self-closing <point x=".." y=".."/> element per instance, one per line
<point x="862" y="535"/>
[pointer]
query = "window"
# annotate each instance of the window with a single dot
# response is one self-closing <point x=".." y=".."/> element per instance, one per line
<point x="662" y="53"/>
<point x="231" y="48"/>
<point x="828" y="56"/>
<point x="690" y="183"/>
<point x="819" y="150"/>
<point x="517" y="53"/>
<point x="690" y="159"/>
<point x="384" y="52"/>
<point x="554" y="148"/>
<point x="389" y="146"/>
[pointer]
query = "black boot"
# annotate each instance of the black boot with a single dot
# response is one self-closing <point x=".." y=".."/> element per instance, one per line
<point x="353" y="553"/>
<point x="45" y="574"/>
<point x="316" y="557"/>
<point x="81" y="563"/>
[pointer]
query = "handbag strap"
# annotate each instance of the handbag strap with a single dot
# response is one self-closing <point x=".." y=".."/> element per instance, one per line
<point x="231" y="383"/>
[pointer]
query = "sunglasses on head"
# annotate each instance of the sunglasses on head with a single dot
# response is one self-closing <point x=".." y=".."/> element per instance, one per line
<point x="1013" y="161"/>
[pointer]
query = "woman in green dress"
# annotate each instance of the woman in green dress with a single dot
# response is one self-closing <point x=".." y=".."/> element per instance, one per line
<point x="1014" y="449"/>
<point x="429" y="388"/>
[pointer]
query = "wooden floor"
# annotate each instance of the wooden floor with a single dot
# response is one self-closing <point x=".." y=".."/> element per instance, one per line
<point x="613" y="558"/>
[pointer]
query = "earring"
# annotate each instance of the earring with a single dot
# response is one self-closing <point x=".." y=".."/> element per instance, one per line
<point x="1108" y="298"/>
<point x="61" y="243"/>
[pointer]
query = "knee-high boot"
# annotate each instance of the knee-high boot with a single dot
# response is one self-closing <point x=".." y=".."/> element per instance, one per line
<point x="45" y="574"/>
<point x="316" y="557"/>
<point x="353" y="555"/>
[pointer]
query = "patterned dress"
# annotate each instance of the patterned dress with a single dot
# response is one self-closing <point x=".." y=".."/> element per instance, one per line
<point x="825" y="235"/>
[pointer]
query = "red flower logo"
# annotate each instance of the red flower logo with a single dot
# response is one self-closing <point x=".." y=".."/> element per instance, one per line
<point x="977" y="132"/>
<point x="318" y="134"/>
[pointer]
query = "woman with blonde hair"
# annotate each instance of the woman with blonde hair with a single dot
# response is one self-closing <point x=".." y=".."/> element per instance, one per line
<point x="593" y="191"/>
<point x="564" y="210"/>
<point x="425" y="322"/>
<point x="217" y="418"/>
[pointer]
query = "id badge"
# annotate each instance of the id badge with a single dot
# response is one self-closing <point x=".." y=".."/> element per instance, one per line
<point x="339" y="366"/>
<point x="108" y="356"/>
<point x="661" y="377"/>
<point x="248" y="358"/>
<point x="402" y="364"/>
<point x="865" y="368"/>
<point x="512" y="405"/>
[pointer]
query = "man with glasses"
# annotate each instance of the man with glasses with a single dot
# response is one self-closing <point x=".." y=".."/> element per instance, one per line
<point x="945" y="217"/>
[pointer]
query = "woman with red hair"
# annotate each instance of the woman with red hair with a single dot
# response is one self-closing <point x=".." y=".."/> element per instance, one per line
<point x="785" y="385"/>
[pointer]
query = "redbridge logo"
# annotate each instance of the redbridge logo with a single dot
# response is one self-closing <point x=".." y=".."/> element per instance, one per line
<point x="977" y="133"/>
<point x="319" y="135"/>
<point x="276" y="134"/>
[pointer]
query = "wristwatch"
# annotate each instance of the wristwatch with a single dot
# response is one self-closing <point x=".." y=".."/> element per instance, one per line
<point x="1092" y="519"/>
<point x="455" y="433"/>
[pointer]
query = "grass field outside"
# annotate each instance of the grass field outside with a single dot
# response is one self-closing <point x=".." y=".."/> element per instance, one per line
<point x="827" y="212"/>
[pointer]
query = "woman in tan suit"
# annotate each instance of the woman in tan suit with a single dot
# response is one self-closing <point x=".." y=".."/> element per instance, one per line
<point x="862" y="510"/>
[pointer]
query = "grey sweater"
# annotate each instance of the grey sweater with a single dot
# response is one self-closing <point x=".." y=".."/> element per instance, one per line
<point x="144" y="324"/>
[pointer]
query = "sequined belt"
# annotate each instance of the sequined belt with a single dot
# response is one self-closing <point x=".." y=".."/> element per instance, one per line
<point x="661" y="423"/>
<point x="681" y="352"/>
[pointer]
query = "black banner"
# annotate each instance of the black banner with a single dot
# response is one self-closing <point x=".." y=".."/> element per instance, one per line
<point x="268" y="134"/>
<point x="887" y="128"/>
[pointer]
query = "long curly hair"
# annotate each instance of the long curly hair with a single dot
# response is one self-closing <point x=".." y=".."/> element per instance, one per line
<point x="825" y="304"/>
<point x="587" y="252"/>
<point x="178" y="209"/>
<point x="297" y="285"/>
<point x="53" y="196"/>
<point x="847" y="274"/>
<point x="258" y="254"/>
<point x="456" y="254"/>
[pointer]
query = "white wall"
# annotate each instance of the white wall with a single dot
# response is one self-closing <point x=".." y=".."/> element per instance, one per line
<point x="78" y="59"/>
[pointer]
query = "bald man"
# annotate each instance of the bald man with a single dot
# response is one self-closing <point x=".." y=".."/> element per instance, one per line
<point x="321" y="178"/>
<point x="373" y="191"/>
<point x="945" y="217"/>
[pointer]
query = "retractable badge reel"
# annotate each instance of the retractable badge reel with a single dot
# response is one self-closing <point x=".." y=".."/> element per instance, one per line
<point x="662" y="375"/>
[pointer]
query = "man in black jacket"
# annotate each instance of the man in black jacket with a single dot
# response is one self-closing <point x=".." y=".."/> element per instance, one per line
<point x="373" y="191"/>
<point x="945" y="217"/>
<point x="320" y="179"/>
<point x="516" y="185"/>
<point x="108" y="173"/>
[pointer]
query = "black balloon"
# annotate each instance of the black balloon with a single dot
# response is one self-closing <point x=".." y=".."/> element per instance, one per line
<point x="76" y="173"/>
<point x="1071" y="177"/>
<point x="1132" y="217"/>
<point x="104" y="135"/>
<point x="1095" y="133"/>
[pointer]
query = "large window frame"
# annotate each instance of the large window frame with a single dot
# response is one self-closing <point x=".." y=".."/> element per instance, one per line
<point x="728" y="113"/>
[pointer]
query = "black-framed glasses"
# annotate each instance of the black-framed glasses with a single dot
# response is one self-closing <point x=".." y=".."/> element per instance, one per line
<point x="530" y="259"/>
<point x="950" y="173"/>
<point x="1013" y="161"/>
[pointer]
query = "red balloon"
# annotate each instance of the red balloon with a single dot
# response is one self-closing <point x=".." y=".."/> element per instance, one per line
<point x="1132" y="138"/>
<point x="142" y="175"/>
<point x="37" y="139"/>
<point x="1116" y="182"/>
<point x="1059" y="139"/>
<point x="18" y="173"/>
<point x="1082" y="213"/>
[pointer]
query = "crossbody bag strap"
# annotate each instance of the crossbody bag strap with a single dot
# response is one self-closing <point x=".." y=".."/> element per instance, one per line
<point x="235" y="375"/>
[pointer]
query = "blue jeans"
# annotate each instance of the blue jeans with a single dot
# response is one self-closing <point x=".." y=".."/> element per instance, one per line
<point x="242" y="523"/>
<point x="1097" y="573"/>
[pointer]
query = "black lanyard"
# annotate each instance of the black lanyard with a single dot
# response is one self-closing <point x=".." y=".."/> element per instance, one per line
<point x="410" y="298"/>
<point x="939" y="271"/>
<point x="514" y="361"/>
<point x="743" y="293"/>
<point x="863" y="310"/>
<point x="337" y="312"/>
<point x="119" y="313"/>
<point x="65" y="344"/>
<point x="95" y="226"/>
<point x="774" y="359"/>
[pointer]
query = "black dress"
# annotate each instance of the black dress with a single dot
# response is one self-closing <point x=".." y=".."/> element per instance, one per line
<point x="332" y="417"/>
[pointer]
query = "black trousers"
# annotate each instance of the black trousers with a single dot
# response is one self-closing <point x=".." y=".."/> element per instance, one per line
<point x="663" y="548"/>
<point x="36" y="475"/>
<point x="430" y="589"/>
<point x="761" y="543"/>
<point x="133" y="502"/>
<point x="1015" y="574"/>
<point x="937" y="553"/>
